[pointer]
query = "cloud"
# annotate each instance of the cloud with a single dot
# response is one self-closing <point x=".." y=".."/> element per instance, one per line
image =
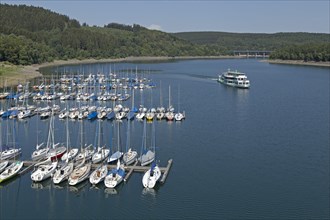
<point x="155" y="27"/>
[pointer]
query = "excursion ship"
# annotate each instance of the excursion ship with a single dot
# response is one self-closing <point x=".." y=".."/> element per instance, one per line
<point x="235" y="79"/>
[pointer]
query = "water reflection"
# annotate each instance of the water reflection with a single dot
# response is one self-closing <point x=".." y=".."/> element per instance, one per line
<point x="8" y="182"/>
<point x="149" y="192"/>
<point x="110" y="191"/>
<point x="77" y="189"/>
<point x="46" y="184"/>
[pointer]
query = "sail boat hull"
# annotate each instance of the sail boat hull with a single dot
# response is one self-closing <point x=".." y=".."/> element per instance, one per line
<point x="100" y="155"/>
<point x="151" y="177"/>
<point x="11" y="171"/>
<point x="147" y="158"/>
<point x="10" y="153"/>
<point x="130" y="157"/>
<point x="98" y="175"/>
<point x="3" y="165"/>
<point x="63" y="173"/>
<point x="79" y="174"/>
<point x="56" y="153"/>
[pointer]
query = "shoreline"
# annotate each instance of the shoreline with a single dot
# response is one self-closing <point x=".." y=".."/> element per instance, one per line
<point x="298" y="62"/>
<point x="25" y="73"/>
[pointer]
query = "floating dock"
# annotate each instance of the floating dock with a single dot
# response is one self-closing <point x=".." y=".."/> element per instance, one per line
<point x="28" y="165"/>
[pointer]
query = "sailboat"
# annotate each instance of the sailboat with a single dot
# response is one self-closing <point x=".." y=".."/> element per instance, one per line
<point x="102" y="151"/>
<point x="147" y="155"/>
<point x="72" y="153"/>
<point x="54" y="152"/>
<point x="131" y="155"/>
<point x="160" y="111"/>
<point x="85" y="152"/>
<point x="169" y="115"/>
<point x="179" y="115"/>
<point x="98" y="174"/>
<point x="116" y="155"/>
<point x="115" y="177"/>
<point x="151" y="177"/>
<point x="64" y="170"/>
<point x="11" y="171"/>
<point x="80" y="173"/>
<point x="152" y="111"/>
<point x="83" y="168"/>
<point x="40" y="151"/>
<point x="3" y="164"/>
<point x="12" y="151"/>
<point x="133" y="110"/>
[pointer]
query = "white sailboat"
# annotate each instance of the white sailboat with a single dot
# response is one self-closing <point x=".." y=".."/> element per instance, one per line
<point x="40" y="152"/>
<point x="11" y="171"/>
<point x="160" y="111"/>
<point x="151" y="177"/>
<point x="115" y="177"/>
<point x="118" y="154"/>
<point x="102" y="151"/>
<point x="130" y="155"/>
<point x="98" y="174"/>
<point x="63" y="172"/>
<point x="147" y="154"/>
<point x="169" y="115"/>
<point x="179" y="115"/>
<point x="54" y="152"/>
<point x="80" y="173"/>
<point x="86" y="152"/>
<point x="12" y="151"/>
<point x="72" y="153"/>
<point x="3" y="165"/>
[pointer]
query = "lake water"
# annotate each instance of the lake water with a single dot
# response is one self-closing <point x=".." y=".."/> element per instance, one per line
<point x="261" y="153"/>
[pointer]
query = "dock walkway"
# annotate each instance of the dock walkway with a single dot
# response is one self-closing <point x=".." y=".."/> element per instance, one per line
<point x="28" y="165"/>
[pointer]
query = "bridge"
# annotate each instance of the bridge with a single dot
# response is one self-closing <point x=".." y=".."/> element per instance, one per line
<point x="252" y="53"/>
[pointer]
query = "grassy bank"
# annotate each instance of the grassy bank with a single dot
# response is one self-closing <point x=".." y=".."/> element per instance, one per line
<point x="11" y="75"/>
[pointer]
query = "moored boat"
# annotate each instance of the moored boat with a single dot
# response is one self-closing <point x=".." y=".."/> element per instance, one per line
<point x="11" y="171"/>
<point x="151" y="177"/>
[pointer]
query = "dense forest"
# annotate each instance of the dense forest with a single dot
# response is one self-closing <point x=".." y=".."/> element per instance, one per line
<point x="34" y="35"/>
<point x="286" y="46"/>
<point x="30" y="35"/>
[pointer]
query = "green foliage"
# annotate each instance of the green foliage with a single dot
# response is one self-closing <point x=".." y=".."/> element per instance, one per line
<point x="22" y="51"/>
<point x="35" y="35"/>
<point x="227" y="42"/>
<point x="31" y="35"/>
<point x="308" y="52"/>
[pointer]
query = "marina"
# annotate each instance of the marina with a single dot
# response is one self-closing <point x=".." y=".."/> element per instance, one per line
<point x="28" y="166"/>
<point x="252" y="156"/>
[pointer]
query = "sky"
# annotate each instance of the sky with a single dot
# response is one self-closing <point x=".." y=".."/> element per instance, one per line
<point x="239" y="16"/>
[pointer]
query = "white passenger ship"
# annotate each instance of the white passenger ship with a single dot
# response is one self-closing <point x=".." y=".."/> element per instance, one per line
<point x="235" y="79"/>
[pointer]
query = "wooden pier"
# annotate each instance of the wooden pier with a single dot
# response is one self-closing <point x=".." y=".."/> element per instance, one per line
<point x="28" y="165"/>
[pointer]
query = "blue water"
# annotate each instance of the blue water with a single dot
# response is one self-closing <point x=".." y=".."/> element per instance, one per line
<point x="261" y="153"/>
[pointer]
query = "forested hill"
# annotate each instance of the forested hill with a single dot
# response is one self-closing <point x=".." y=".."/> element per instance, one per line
<point x="285" y="46"/>
<point x="30" y="35"/>
<point x="34" y="35"/>
<point x="252" y="41"/>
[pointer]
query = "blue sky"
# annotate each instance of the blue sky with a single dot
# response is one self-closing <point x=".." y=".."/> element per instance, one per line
<point x="244" y="16"/>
